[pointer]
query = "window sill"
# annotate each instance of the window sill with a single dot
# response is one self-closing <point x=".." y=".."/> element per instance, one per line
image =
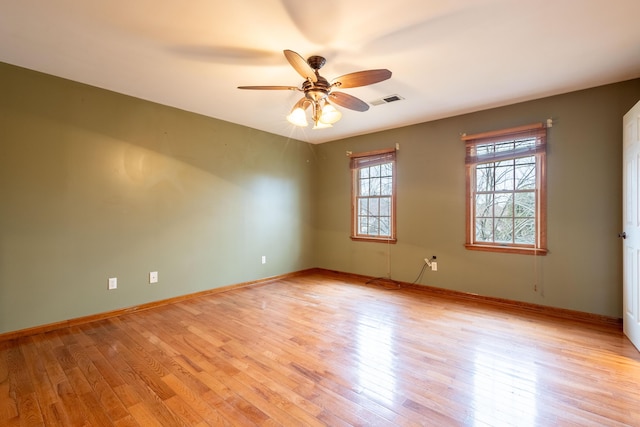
<point x="374" y="239"/>
<point x="506" y="249"/>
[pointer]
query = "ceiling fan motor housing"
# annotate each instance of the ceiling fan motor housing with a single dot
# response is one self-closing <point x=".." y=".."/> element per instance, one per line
<point x="316" y="90"/>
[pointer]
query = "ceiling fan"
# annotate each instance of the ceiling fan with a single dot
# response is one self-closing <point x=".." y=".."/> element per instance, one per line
<point x="319" y="93"/>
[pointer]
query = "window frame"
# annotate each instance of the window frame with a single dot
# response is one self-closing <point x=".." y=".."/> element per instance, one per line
<point x="537" y="131"/>
<point x="368" y="159"/>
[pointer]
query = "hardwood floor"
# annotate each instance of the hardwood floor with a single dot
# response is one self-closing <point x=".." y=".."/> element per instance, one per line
<point x="322" y="350"/>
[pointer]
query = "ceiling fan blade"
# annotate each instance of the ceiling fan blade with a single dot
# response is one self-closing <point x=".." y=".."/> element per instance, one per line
<point x="300" y="65"/>
<point x="348" y="101"/>
<point x="269" y="87"/>
<point x="361" y="78"/>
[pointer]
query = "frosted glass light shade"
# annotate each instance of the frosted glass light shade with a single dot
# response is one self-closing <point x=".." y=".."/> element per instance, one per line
<point x="330" y="114"/>
<point x="297" y="117"/>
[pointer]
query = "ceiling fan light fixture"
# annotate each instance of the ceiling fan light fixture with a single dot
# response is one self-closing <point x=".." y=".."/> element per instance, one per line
<point x="329" y="114"/>
<point x="297" y="117"/>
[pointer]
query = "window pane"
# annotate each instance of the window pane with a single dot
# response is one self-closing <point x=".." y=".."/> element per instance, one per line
<point x="363" y="207"/>
<point x="386" y="186"/>
<point x="364" y="173"/>
<point x="525" y="232"/>
<point x="363" y="226"/>
<point x="374" y="226"/>
<point x="525" y="173"/>
<point x="503" y="205"/>
<point x="504" y="176"/>
<point x="504" y="230"/>
<point x="385" y="226"/>
<point x="386" y="169"/>
<point x="374" y="207"/>
<point x="374" y="187"/>
<point x="484" y="177"/>
<point x="484" y="230"/>
<point x="525" y="205"/>
<point x="484" y="205"/>
<point x="385" y="206"/>
<point x="374" y="171"/>
<point x="364" y="187"/>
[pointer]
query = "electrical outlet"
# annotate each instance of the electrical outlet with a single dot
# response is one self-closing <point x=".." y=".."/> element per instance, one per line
<point x="113" y="283"/>
<point x="264" y="259"/>
<point x="434" y="266"/>
<point x="153" y="277"/>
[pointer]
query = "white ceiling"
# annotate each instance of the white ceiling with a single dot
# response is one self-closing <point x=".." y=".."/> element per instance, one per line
<point x="448" y="57"/>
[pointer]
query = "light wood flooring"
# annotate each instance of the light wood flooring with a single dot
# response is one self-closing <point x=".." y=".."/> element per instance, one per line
<point x="322" y="350"/>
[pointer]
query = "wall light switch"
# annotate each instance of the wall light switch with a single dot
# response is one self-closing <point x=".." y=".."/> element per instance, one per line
<point x="153" y="277"/>
<point x="113" y="283"/>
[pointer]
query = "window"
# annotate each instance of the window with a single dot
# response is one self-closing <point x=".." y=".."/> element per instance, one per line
<point x="373" y="196"/>
<point x="506" y="190"/>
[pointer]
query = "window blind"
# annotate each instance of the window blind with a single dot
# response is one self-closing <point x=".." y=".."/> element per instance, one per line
<point x="373" y="158"/>
<point x="525" y="141"/>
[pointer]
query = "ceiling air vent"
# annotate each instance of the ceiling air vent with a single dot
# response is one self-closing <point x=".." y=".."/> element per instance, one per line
<point x="386" y="100"/>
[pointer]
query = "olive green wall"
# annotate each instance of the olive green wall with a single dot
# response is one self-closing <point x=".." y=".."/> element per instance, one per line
<point x="583" y="270"/>
<point x="95" y="184"/>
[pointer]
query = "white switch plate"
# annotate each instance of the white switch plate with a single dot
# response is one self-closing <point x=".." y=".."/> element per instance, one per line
<point x="113" y="283"/>
<point x="153" y="277"/>
<point x="264" y="259"/>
